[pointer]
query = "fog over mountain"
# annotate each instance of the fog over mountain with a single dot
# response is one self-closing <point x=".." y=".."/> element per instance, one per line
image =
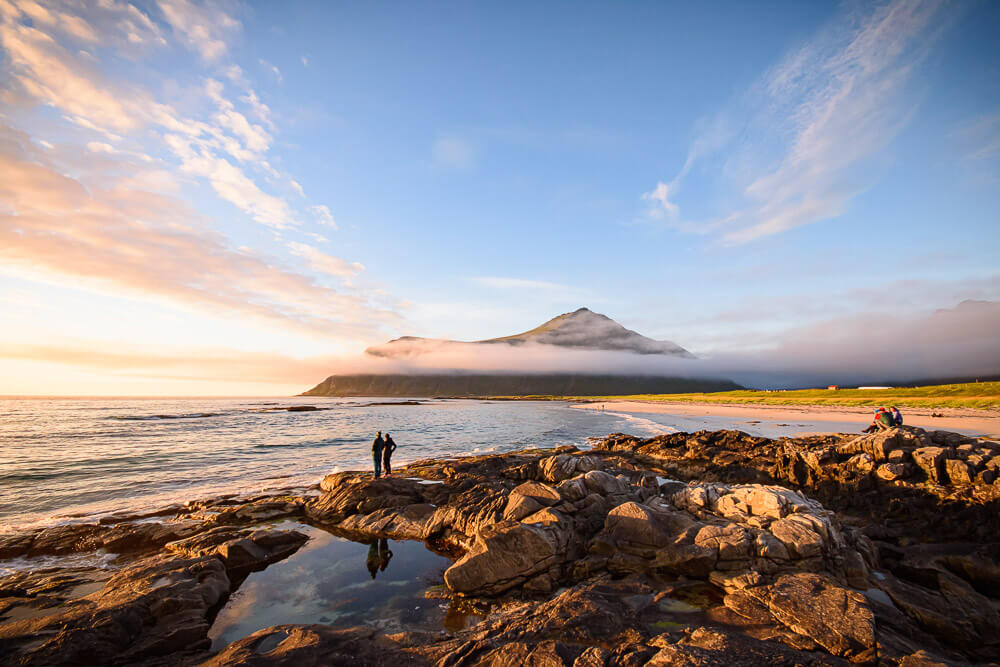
<point x="862" y="349"/>
<point x="577" y="353"/>
<point x="581" y="329"/>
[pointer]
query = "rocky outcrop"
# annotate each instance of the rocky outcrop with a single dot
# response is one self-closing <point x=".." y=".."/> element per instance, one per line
<point x="155" y="608"/>
<point x="687" y="549"/>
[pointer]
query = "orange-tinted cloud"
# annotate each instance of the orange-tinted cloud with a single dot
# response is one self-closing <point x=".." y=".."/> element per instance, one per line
<point x="150" y="244"/>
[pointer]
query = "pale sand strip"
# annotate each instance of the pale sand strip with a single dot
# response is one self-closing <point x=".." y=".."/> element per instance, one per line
<point x="968" y="421"/>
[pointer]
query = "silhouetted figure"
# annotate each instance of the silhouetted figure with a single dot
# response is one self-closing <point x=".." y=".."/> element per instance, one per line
<point x="384" y="555"/>
<point x="387" y="451"/>
<point x="377" y="448"/>
<point x="373" y="560"/>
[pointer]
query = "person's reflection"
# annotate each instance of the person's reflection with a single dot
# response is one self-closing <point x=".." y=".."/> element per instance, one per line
<point x="379" y="556"/>
<point x="384" y="555"/>
<point x="372" y="561"/>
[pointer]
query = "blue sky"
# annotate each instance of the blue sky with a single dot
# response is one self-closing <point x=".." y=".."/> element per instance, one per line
<point x="300" y="180"/>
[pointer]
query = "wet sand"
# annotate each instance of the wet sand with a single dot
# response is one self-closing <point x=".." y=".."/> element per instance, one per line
<point x="810" y="418"/>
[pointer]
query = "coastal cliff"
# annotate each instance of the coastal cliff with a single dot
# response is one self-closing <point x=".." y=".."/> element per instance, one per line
<point x="826" y="550"/>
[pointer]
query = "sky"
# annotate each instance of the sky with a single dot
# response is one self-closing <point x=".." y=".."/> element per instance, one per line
<point x="238" y="198"/>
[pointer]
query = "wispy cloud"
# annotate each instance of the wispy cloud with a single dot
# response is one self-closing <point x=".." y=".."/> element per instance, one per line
<point x="518" y="283"/>
<point x="205" y="28"/>
<point x="45" y="70"/>
<point x="323" y="214"/>
<point x="981" y="137"/>
<point x="324" y="263"/>
<point x="101" y="214"/>
<point x="812" y="126"/>
<point x="137" y="242"/>
<point x="272" y="68"/>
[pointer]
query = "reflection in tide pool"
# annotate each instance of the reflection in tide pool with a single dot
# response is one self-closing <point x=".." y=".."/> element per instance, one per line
<point x="335" y="581"/>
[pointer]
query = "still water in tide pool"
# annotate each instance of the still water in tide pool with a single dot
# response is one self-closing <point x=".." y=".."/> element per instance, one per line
<point x="70" y="459"/>
<point x="338" y="582"/>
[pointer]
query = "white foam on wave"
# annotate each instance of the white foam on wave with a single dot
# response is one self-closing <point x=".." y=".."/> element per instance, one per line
<point x="99" y="559"/>
<point x="651" y="427"/>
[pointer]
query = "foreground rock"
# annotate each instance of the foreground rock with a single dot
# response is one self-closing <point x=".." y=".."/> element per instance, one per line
<point x="687" y="549"/>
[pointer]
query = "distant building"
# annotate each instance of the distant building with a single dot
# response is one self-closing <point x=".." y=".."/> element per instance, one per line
<point x="874" y="387"/>
<point x="834" y="387"/>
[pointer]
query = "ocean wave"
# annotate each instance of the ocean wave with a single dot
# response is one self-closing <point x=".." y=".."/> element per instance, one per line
<point x="190" y="415"/>
<point x="652" y="427"/>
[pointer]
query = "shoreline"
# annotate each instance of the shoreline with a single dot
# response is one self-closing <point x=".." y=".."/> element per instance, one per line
<point x="980" y="422"/>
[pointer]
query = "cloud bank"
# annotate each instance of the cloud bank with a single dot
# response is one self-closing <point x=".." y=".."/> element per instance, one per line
<point x="957" y="342"/>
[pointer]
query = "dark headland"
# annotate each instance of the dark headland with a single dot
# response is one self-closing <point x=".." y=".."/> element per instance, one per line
<point x="707" y="548"/>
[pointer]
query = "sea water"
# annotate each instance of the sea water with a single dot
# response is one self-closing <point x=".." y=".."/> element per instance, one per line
<point x="75" y="459"/>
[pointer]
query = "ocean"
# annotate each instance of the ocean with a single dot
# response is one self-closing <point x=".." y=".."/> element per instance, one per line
<point x="76" y="459"/>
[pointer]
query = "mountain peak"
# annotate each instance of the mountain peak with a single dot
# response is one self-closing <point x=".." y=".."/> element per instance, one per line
<point x="581" y="329"/>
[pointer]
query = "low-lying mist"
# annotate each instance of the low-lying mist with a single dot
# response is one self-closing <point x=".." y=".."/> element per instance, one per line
<point x="868" y="348"/>
<point x="864" y="349"/>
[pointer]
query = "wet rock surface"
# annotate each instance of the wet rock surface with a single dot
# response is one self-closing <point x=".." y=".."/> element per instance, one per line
<point x="708" y="548"/>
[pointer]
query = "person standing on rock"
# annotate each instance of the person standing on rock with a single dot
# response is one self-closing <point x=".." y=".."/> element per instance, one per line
<point x="387" y="450"/>
<point x="377" y="447"/>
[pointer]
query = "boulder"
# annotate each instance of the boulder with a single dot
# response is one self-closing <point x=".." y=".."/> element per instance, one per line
<point x="641" y="530"/>
<point x="799" y="538"/>
<point x="506" y="555"/>
<point x="892" y="471"/>
<point x="402" y="523"/>
<point x="519" y="506"/>
<point x="565" y="466"/>
<point x="931" y="461"/>
<point x="573" y="489"/>
<point x="838" y="619"/>
<point x="958" y="471"/>
<point x="543" y="494"/>
<point x="605" y="484"/>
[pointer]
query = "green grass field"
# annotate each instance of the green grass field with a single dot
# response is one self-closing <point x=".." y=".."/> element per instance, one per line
<point x="982" y="395"/>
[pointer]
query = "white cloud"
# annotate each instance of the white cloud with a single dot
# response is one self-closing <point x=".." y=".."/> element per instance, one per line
<point x="517" y="283"/>
<point x="99" y="147"/>
<point x="813" y="125"/>
<point x="260" y="110"/>
<point x="49" y="73"/>
<point x="660" y="195"/>
<point x="297" y="187"/>
<point x="126" y="240"/>
<point x="226" y="148"/>
<point x="231" y="183"/>
<point x="272" y="68"/>
<point x="203" y="28"/>
<point x="323" y="215"/>
<point x="324" y="263"/>
<point x="453" y="152"/>
<point x="305" y="61"/>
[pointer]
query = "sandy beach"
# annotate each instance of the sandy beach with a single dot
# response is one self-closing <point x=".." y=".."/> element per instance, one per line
<point x="813" y="418"/>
